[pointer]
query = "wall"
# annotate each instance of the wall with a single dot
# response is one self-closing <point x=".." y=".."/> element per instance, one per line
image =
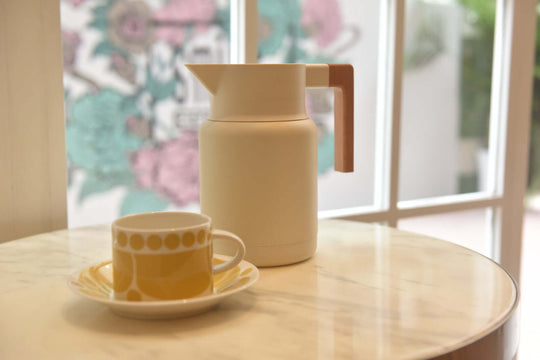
<point x="32" y="144"/>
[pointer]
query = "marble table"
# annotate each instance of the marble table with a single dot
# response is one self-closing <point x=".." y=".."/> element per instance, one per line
<point x="370" y="292"/>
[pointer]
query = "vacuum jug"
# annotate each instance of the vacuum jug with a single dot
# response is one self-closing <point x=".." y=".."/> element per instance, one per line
<point x="258" y="154"/>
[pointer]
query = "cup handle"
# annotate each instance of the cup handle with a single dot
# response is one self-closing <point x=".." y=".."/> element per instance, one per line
<point x="240" y="251"/>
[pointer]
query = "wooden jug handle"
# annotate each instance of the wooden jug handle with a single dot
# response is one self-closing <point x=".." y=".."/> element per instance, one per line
<point x="341" y="78"/>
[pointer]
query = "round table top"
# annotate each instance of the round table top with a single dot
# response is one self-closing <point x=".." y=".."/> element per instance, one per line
<point x="370" y="292"/>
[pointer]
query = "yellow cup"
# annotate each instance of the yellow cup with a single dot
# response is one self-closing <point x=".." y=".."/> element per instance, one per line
<point x="166" y="256"/>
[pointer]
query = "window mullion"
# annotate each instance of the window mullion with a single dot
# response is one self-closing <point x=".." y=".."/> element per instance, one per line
<point x="388" y="129"/>
<point x="460" y="203"/>
<point x="244" y="17"/>
<point x="498" y="110"/>
<point x="520" y="25"/>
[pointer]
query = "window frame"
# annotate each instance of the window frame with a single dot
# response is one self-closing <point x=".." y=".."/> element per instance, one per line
<point x="511" y="98"/>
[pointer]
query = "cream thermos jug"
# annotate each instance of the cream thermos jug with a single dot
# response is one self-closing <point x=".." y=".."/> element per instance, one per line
<point x="258" y="154"/>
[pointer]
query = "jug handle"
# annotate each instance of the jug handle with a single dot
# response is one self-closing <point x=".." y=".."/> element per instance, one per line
<point x="340" y="77"/>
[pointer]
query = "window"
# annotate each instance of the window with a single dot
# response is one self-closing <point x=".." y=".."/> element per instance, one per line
<point x="436" y="82"/>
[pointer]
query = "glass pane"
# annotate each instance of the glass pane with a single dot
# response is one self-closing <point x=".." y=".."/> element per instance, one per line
<point x="471" y="228"/>
<point x="446" y="97"/>
<point x="132" y="109"/>
<point x="330" y="31"/>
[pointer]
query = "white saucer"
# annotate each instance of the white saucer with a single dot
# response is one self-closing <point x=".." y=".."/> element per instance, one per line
<point x="95" y="283"/>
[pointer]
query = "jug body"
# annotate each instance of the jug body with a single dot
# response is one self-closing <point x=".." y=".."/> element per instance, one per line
<point x="259" y="180"/>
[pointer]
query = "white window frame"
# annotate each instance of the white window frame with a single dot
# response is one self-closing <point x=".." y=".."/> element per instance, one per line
<point x="511" y="96"/>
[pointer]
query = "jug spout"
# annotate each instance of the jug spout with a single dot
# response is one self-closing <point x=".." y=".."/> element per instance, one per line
<point x="208" y="74"/>
<point x="254" y="92"/>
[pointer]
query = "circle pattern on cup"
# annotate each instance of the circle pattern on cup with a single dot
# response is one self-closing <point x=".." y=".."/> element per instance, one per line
<point x="172" y="241"/>
<point x="153" y="242"/>
<point x="136" y="241"/>
<point x="188" y="239"/>
<point x="121" y="238"/>
<point x="201" y="237"/>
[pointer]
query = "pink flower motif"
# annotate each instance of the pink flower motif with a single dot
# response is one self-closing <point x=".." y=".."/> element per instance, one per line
<point x="173" y="18"/>
<point x="130" y="25"/>
<point x="70" y="44"/>
<point x="138" y="127"/>
<point x="322" y="19"/>
<point x="122" y="67"/>
<point x="172" y="169"/>
<point x="143" y="163"/>
<point x="74" y="2"/>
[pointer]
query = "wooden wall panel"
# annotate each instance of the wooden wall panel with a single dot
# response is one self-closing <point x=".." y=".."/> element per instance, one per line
<point x="32" y="142"/>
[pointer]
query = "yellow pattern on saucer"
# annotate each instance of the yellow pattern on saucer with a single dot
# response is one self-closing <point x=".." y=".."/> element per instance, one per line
<point x="95" y="283"/>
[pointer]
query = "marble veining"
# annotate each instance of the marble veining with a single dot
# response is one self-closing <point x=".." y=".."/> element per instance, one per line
<point x="370" y="292"/>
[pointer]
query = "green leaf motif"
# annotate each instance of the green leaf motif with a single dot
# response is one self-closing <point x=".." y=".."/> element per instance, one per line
<point x="99" y="24"/>
<point x="98" y="140"/>
<point x="128" y="105"/>
<point x="92" y="185"/>
<point x="105" y="48"/>
<point x="283" y="17"/>
<point x="137" y="202"/>
<point x="159" y="90"/>
<point x="100" y="21"/>
<point x="224" y="19"/>
<point x="295" y="54"/>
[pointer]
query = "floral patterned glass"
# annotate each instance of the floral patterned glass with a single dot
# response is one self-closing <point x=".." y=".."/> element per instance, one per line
<point x="132" y="109"/>
<point x="330" y="31"/>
